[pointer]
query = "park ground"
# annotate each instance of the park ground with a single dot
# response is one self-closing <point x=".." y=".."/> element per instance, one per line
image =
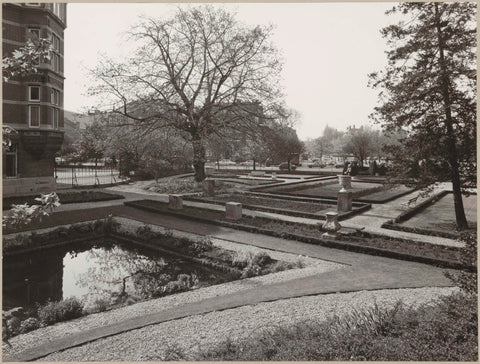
<point x="334" y="282"/>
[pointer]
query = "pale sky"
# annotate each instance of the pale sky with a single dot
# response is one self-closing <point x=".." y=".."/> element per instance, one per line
<point x="328" y="51"/>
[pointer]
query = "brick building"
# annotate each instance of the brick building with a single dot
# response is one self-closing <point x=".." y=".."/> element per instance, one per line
<point x="33" y="104"/>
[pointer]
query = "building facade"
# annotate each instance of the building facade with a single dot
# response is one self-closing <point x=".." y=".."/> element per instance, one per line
<point x="33" y="103"/>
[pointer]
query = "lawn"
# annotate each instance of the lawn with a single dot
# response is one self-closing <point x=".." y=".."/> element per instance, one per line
<point x="361" y="191"/>
<point x="440" y="216"/>
<point x="277" y="203"/>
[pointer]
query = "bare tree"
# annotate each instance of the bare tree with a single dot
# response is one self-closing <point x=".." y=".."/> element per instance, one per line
<point x="200" y="72"/>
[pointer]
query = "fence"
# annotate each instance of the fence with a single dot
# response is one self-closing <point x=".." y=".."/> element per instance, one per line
<point x="73" y="175"/>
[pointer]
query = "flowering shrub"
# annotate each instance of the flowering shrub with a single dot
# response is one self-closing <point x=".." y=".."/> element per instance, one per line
<point x="25" y="214"/>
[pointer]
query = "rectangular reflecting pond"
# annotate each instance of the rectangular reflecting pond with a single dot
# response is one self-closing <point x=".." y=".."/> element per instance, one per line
<point x="96" y="270"/>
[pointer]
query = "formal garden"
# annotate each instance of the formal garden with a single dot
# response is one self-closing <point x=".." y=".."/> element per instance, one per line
<point x="215" y="233"/>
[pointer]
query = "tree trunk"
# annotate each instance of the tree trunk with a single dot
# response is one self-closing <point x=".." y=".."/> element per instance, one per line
<point x="461" y="219"/>
<point x="198" y="158"/>
<point x="254" y="165"/>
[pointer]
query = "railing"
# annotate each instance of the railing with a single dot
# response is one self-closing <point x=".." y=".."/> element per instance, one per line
<point x="86" y="175"/>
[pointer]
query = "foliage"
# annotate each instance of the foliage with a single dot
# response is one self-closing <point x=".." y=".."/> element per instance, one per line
<point x="25" y="214"/>
<point x="93" y="141"/>
<point x="428" y="90"/>
<point x="283" y="144"/>
<point x="24" y="60"/>
<point x="215" y="74"/>
<point x="7" y="133"/>
<point x="99" y="305"/>
<point x="360" y="144"/>
<point x="445" y="330"/>
<point x="467" y="281"/>
<point x="29" y="324"/>
<point x="174" y="185"/>
<point x="64" y="198"/>
<point x="64" y="310"/>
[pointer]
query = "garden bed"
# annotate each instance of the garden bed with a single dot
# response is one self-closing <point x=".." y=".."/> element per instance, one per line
<point x="65" y="198"/>
<point x="436" y="220"/>
<point x="312" y="208"/>
<point x="366" y="192"/>
<point x="348" y="239"/>
<point x="174" y="185"/>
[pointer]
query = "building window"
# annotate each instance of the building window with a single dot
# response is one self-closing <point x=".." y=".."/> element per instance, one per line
<point x="11" y="162"/>
<point x="55" y="53"/>
<point x="55" y="118"/>
<point x="33" y="33"/>
<point x="57" y="9"/>
<point x="33" y="93"/>
<point x="55" y="97"/>
<point x="34" y="116"/>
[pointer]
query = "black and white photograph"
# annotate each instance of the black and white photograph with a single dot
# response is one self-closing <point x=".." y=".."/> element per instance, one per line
<point x="239" y="181"/>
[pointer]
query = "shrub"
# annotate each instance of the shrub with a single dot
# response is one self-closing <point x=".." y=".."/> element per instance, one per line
<point x="467" y="281"/>
<point x="99" y="305"/>
<point x="64" y="310"/>
<point x="13" y="325"/>
<point x="144" y="230"/>
<point x="445" y="330"/>
<point x="200" y="246"/>
<point x="29" y="324"/>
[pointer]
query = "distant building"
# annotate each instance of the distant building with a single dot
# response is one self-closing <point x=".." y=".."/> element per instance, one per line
<point x="33" y="104"/>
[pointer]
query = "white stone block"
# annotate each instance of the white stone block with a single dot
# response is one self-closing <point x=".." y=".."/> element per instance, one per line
<point x="344" y="201"/>
<point x="233" y="210"/>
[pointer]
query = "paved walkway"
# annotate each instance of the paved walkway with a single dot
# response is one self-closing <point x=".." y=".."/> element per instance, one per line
<point x="360" y="271"/>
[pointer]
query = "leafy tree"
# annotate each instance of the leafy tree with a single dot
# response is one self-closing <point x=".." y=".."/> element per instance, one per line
<point x="322" y="146"/>
<point x="22" y="62"/>
<point x="360" y="145"/>
<point x="25" y="59"/>
<point x="198" y="72"/>
<point x="283" y="144"/>
<point x="429" y="90"/>
<point x="92" y="144"/>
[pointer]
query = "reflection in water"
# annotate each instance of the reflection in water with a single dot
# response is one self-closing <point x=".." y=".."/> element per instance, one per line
<point x="92" y="271"/>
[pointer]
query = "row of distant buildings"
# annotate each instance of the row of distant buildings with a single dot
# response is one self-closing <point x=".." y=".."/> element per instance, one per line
<point x="33" y="103"/>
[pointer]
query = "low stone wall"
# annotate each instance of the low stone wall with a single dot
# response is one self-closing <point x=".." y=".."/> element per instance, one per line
<point x="22" y="186"/>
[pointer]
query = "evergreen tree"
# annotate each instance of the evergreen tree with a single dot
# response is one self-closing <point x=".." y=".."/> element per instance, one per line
<point x="429" y="91"/>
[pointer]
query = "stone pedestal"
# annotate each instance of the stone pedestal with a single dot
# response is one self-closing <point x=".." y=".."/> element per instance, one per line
<point x="344" y="200"/>
<point x="209" y="171"/>
<point x="345" y="181"/>
<point x="233" y="211"/>
<point x="274" y="176"/>
<point x="175" y="202"/>
<point x="331" y="225"/>
<point x="208" y="187"/>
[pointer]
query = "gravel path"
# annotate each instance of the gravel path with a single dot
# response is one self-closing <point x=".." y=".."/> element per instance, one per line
<point x="204" y="331"/>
